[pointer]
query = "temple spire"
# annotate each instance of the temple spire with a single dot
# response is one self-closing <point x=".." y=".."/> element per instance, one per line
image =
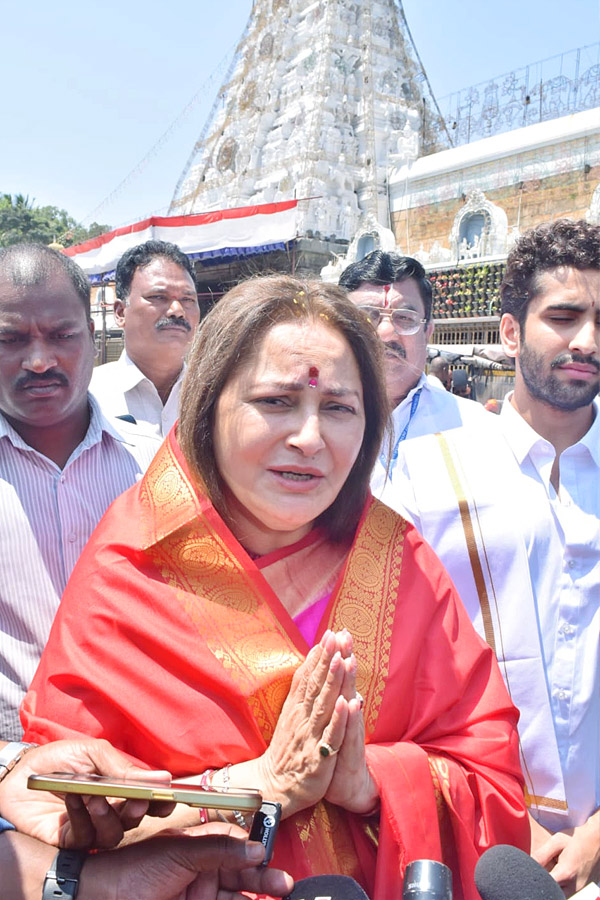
<point x="321" y="98"/>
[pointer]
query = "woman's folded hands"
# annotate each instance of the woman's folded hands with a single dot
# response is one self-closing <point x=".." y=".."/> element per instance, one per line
<point x="318" y="747"/>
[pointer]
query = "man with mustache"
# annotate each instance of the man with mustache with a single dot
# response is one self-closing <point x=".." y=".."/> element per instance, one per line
<point x="157" y="307"/>
<point x="513" y="512"/>
<point x="395" y="294"/>
<point x="61" y="462"/>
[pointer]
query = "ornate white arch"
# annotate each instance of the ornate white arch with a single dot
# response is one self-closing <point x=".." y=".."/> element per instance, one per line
<point x="593" y="213"/>
<point x="493" y="240"/>
<point x="383" y="239"/>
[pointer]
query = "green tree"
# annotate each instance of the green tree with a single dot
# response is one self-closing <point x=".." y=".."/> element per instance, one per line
<point x="21" y="220"/>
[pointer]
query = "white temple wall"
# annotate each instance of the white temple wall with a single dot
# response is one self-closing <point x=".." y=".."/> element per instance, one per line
<point x="512" y="181"/>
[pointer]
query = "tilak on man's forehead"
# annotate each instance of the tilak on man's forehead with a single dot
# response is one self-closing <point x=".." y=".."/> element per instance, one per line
<point x="313" y="377"/>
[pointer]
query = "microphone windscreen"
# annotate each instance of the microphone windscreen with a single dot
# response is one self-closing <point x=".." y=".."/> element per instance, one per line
<point x="506" y="873"/>
<point x="327" y="887"/>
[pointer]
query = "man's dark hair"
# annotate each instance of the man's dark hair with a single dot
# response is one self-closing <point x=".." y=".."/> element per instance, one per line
<point x="561" y="243"/>
<point x="380" y="267"/>
<point x="28" y="264"/>
<point x="142" y="255"/>
<point x="439" y="367"/>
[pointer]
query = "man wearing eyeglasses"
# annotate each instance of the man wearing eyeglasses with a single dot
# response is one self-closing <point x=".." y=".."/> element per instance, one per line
<point x="395" y="294"/>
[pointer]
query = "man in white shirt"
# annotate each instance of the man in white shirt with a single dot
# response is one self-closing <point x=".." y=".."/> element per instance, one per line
<point x="157" y="307"/>
<point x="395" y="294"/>
<point x="61" y="462"/>
<point x="514" y="514"/>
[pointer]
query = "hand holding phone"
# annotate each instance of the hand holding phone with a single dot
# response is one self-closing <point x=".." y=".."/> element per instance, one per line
<point x="97" y="823"/>
<point x="245" y="800"/>
<point x="265" y="823"/>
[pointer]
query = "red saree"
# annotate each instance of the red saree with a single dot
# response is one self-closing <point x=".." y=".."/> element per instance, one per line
<point x="170" y="643"/>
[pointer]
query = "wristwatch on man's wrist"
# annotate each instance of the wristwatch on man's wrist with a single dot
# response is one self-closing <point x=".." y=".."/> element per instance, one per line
<point x="11" y="755"/>
<point x="62" y="878"/>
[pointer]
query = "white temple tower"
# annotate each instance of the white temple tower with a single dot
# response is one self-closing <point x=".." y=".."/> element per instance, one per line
<point x="322" y="97"/>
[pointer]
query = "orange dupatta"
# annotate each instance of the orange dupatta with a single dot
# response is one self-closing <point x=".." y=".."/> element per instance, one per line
<point x="170" y="643"/>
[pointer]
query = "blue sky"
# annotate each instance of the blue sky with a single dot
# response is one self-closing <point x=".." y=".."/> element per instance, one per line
<point x="89" y="88"/>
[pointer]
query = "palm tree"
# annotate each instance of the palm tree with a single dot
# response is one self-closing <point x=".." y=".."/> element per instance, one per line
<point x="17" y="201"/>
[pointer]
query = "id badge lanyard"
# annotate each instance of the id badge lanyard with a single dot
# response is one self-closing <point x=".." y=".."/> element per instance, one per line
<point x="413" y="408"/>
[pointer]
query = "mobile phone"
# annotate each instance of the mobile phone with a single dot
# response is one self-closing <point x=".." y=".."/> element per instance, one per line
<point x="243" y="799"/>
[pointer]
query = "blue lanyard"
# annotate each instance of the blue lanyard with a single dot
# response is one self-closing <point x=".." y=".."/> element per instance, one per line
<point x="413" y="409"/>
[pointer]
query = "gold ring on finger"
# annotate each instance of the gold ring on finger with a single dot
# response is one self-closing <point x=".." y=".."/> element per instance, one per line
<point x="326" y="749"/>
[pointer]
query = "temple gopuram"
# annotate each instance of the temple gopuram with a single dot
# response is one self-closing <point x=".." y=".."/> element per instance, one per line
<point x="327" y="104"/>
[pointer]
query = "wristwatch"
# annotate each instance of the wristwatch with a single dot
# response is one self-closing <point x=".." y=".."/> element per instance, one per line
<point x="11" y="755"/>
<point x="62" y="879"/>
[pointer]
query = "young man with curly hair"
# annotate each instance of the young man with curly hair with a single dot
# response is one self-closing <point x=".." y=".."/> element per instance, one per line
<point x="513" y="511"/>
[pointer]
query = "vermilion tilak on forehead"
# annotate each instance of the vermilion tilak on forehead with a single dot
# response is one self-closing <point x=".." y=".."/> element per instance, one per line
<point x="386" y="289"/>
<point x="313" y="377"/>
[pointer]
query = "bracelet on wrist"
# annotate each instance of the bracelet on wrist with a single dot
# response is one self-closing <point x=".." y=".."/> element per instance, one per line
<point x="205" y="782"/>
<point x="11" y="755"/>
<point x="237" y="815"/>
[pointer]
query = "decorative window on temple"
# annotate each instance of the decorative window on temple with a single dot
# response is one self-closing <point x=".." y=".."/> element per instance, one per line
<point x="366" y="244"/>
<point x="471" y="236"/>
<point x="593" y="213"/>
<point x="480" y="229"/>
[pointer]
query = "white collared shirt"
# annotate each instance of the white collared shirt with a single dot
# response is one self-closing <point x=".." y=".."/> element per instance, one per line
<point x="437" y="382"/>
<point x="48" y="514"/>
<point x="560" y="534"/>
<point x="437" y="410"/>
<point x="122" y="389"/>
<point x="565" y="575"/>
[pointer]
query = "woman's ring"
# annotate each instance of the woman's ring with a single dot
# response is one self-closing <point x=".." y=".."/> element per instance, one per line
<point x="326" y="749"/>
<point x="360" y="699"/>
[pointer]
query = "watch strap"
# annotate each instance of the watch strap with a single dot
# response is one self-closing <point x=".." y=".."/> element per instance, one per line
<point x="62" y="879"/>
<point x="11" y="755"/>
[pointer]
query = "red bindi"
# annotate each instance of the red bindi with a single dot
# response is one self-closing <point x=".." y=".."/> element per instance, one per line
<point x="313" y="377"/>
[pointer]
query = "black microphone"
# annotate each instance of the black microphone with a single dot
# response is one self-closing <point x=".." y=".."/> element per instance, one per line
<point x="425" y="879"/>
<point x="506" y="873"/>
<point x="327" y="887"/>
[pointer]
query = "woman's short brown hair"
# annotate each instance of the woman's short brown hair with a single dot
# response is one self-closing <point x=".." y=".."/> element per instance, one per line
<point x="229" y="336"/>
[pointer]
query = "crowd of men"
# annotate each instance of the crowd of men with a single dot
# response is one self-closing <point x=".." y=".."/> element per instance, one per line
<point x="510" y="503"/>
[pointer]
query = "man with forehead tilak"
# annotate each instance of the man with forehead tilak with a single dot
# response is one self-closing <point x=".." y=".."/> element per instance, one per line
<point x="395" y="294"/>
<point x="61" y="462"/>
